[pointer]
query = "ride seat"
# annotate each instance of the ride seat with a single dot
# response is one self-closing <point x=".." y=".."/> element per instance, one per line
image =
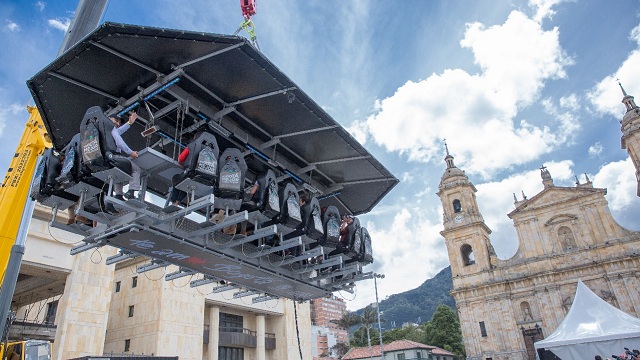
<point x="290" y="214"/>
<point x="98" y="145"/>
<point x="312" y="221"/>
<point x="201" y="167"/>
<point x="366" y="255"/>
<point x="354" y="239"/>
<point x="46" y="188"/>
<point x="231" y="173"/>
<point x="266" y="198"/>
<point x="331" y="225"/>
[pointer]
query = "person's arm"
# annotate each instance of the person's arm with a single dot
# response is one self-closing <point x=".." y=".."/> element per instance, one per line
<point x="120" y="144"/>
<point x="121" y="130"/>
<point x="127" y="125"/>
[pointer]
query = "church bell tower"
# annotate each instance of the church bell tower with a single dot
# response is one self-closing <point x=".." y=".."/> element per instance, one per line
<point x="465" y="233"/>
<point x="630" y="126"/>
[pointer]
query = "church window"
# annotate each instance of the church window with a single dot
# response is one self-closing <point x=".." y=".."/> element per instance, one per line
<point x="565" y="236"/>
<point x="457" y="206"/>
<point x="467" y="255"/>
<point x="483" y="329"/>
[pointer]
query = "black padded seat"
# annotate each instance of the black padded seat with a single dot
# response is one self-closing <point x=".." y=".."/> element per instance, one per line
<point x="331" y="225"/>
<point x="232" y="169"/>
<point x="98" y="146"/>
<point x="366" y="256"/>
<point x="290" y="214"/>
<point x="312" y="221"/>
<point x="354" y="239"/>
<point x="266" y="198"/>
<point x="46" y="188"/>
<point x="201" y="167"/>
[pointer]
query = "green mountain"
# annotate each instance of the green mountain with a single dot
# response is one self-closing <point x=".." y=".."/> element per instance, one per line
<point x="419" y="304"/>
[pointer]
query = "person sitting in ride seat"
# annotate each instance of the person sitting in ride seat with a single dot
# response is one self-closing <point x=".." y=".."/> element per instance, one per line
<point x="122" y="147"/>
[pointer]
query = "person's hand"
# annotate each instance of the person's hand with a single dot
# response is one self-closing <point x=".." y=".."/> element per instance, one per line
<point x="132" y="118"/>
<point x="134" y="154"/>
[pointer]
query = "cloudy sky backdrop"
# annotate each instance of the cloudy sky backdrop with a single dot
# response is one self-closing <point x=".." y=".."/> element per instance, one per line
<point x="511" y="85"/>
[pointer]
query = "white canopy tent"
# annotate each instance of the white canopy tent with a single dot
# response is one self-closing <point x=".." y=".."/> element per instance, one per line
<point x="592" y="327"/>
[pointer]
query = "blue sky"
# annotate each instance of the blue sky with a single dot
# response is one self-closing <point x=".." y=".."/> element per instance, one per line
<point x="511" y="85"/>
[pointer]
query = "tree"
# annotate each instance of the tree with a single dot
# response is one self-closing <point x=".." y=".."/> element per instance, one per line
<point x="348" y="320"/>
<point x="444" y="330"/>
<point x="340" y="349"/>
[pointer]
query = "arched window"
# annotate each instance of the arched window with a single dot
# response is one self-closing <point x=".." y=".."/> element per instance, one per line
<point x="526" y="311"/>
<point x="467" y="255"/>
<point x="457" y="207"/>
<point x="565" y="236"/>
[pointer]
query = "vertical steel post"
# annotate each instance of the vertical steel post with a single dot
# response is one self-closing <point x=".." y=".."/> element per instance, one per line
<point x="375" y="283"/>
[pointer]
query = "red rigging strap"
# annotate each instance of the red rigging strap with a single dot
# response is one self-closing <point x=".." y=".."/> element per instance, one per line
<point x="248" y="8"/>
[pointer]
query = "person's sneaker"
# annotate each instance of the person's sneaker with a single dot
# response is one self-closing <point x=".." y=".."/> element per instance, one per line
<point x="119" y="197"/>
<point x="131" y="194"/>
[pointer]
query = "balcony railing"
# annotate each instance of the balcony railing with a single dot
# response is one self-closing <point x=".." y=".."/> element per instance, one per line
<point x="240" y="337"/>
<point x="269" y="341"/>
<point x="237" y="337"/>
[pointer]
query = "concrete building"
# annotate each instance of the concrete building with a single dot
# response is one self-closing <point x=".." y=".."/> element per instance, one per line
<point x="564" y="234"/>
<point x="88" y="308"/>
<point x="326" y="334"/>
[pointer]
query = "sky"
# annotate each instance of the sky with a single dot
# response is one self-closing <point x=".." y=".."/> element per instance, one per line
<point x="511" y="86"/>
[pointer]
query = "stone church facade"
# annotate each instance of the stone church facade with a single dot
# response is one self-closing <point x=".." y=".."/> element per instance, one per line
<point x="564" y="234"/>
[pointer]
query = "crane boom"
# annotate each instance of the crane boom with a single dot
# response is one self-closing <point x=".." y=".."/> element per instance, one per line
<point x="15" y="187"/>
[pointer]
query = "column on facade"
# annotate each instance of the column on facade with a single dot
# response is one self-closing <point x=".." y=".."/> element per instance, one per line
<point x="260" y="337"/>
<point x="632" y="282"/>
<point x="621" y="292"/>
<point x="84" y="306"/>
<point x="214" y="332"/>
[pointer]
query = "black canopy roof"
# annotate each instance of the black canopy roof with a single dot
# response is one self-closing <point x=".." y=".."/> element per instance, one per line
<point x="181" y="80"/>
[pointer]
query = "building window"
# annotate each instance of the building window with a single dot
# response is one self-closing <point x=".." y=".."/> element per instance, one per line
<point x="230" y="323"/>
<point x="127" y="345"/>
<point x="565" y="236"/>
<point x="134" y="281"/>
<point x="483" y="329"/>
<point x="467" y="255"/>
<point x="457" y="206"/>
<point x="229" y="353"/>
<point x="117" y="286"/>
<point x="401" y="357"/>
<point x="419" y="354"/>
<point x="131" y="311"/>
<point x="52" y="308"/>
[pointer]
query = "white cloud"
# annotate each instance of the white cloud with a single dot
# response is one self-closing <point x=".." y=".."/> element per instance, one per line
<point x="595" y="149"/>
<point x="61" y="24"/>
<point x="40" y="5"/>
<point x="8" y="114"/>
<point x="476" y="112"/>
<point x="568" y="124"/>
<point x="410" y="248"/>
<point x="606" y="95"/>
<point x="618" y="177"/>
<point x="11" y="26"/>
<point x="543" y="8"/>
<point x="359" y="130"/>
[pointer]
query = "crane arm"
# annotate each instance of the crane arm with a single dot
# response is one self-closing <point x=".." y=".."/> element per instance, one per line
<point x="16" y="185"/>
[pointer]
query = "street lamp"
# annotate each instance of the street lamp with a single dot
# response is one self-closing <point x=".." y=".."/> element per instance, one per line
<point x="375" y="283"/>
